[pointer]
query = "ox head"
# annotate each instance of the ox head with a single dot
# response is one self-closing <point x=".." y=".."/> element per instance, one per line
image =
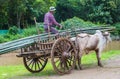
<point x="98" y="31"/>
<point x="107" y="36"/>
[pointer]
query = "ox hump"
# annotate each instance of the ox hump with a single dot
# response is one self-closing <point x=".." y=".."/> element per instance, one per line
<point x="82" y="35"/>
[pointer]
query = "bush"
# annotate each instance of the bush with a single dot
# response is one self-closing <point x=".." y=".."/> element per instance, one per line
<point x="32" y="31"/>
<point x="117" y="31"/>
<point x="14" y="37"/>
<point x="9" y="37"/>
<point x="76" y="23"/>
<point x="14" y="33"/>
<point x="3" y="39"/>
<point x="13" y="30"/>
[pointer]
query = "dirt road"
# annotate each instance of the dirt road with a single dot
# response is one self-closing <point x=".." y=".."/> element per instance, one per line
<point x="111" y="70"/>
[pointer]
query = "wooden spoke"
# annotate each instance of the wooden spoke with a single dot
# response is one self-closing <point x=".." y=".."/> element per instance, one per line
<point x="69" y="62"/>
<point x="58" y="49"/>
<point x="28" y="59"/>
<point x="43" y="59"/>
<point x="38" y="65"/>
<point x="30" y="62"/>
<point x="58" y="65"/>
<point x="35" y="65"/>
<point x="57" y="60"/>
<point x="63" y="56"/>
<point x="40" y="62"/>
<point x="32" y="65"/>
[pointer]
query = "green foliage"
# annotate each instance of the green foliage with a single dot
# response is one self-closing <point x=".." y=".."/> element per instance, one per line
<point x="3" y="13"/>
<point x="9" y="37"/>
<point x="16" y="12"/>
<point x="21" y="12"/>
<point x="14" y="33"/>
<point x="65" y="9"/>
<point x="14" y="37"/>
<point x="32" y="31"/>
<point x="13" y="30"/>
<point x="37" y="8"/>
<point x="76" y="22"/>
<point x="2" y="39"/>
<point x="29" y="31"/>
<point x="101" y="11"/>
<point x="117" y="31"/>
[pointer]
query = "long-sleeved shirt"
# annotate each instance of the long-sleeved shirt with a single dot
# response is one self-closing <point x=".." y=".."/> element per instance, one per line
<point x="49" y="20"/>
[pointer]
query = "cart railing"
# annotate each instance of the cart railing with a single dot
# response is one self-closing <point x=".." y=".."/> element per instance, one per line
<point x="23" y="42"/>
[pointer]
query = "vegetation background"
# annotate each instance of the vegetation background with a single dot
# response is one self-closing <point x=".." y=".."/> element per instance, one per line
<point x="16" y="16"/>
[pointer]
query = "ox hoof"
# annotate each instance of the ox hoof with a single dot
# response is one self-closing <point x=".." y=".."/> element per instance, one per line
<point x="100" y="65"/>
<point x="75" y="67"/>
<point x="80" y="68"/>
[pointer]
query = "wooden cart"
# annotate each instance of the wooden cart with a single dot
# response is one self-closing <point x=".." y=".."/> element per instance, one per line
<point x="36" y="50"/>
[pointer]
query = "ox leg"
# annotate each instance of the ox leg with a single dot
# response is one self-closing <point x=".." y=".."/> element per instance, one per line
<point x="79" y="63"/>
<point x="99" y="58"/>
<point x="76" y="64"/>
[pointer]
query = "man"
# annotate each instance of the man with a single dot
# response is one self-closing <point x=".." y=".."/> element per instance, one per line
<point x="49" y="21"/>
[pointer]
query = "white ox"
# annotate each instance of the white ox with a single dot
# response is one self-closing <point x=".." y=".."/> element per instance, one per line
<point x="97" y="42"/>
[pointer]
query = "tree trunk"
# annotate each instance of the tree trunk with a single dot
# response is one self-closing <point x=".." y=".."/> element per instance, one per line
<point x="19" y="19"/>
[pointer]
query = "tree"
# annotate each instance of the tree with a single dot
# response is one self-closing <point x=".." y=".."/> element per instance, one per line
<point x="66" y="9"/>
<point x="102" y="11"/>
<point x="116" y="12"/>
<point x="3" y="14"/>
<point x="21" y="12"/>
<point x="41" y="7"/>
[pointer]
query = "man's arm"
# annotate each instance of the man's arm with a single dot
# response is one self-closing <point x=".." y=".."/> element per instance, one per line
<point x="55" y="22"/>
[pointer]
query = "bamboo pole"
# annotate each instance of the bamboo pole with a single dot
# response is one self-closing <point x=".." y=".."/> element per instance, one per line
<point x="37" y="28"/>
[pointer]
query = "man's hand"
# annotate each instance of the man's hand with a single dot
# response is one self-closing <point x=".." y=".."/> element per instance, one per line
<point x="60" y="26"/>
<point x="35" y="20"/>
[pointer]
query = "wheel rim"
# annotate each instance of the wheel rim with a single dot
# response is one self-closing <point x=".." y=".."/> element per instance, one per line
<point x="35" y="65"/>
<point x="63" y="56"/>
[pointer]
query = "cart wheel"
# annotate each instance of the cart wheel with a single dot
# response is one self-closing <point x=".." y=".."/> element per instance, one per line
<point x="35" y="64"/>
<point x="63" y="56"/>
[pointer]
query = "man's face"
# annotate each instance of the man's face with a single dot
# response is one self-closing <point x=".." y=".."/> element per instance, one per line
<point x="53" y="12"/>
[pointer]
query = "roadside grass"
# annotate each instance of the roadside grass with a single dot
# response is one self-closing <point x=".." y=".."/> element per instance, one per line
<point x="8" y="72"/>
<point x="91" y="57"/>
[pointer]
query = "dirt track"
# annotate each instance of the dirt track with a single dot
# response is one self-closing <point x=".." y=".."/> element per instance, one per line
<point x="111" y="70"/>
